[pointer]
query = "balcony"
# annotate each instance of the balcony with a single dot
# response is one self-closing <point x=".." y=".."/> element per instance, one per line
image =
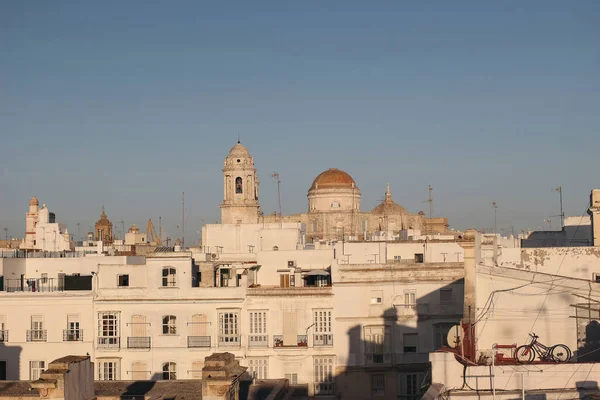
<point x="199" y="341"/>
<point x="138" y="342"/>
<point x="324" y="389"/>
<point x="109" y="342"/>
<point x="229" y="340"/>
<point x="258" y="341"/>
<point x="72" y="335"/>
<point x="4" y="336"/>
<point x="301" y="341"/>
<point x="36" y="335"/>
<point x="322" y="339"/>
<point x="378" y="358"/>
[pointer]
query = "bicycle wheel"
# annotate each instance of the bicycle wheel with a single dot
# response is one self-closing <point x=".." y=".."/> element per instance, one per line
<point x="525" y="354"/>
<point x="560" y="353"/>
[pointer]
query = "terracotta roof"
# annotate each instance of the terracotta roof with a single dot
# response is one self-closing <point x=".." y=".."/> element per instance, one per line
<point x="182" y="389"/>
<point x="333" y="178"/>
<point x="389" y="207"/>
<point x="17" y="389"/>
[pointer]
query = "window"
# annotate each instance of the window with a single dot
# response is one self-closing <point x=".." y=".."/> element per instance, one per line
<point x="73" y="331"/>
<point x="315" y="226"/>
<point x="397" y="258"/>
<point x="229" y="328"/>
<point x="376" y="296"/>
<point x="410" y="342"/>
<point x="335" y="204"/>
<point x="410" y="299"/>
<point x="419" y="258"/>
<point x="446" y="295"/>
<point x="410" y="385"/>
<point x="292" y="378"/>
<point x="109" y="370"/>
<point x="37" y="333"/>
<point x="139" y="371"/>
<point x="378" y="344"/>
<point x="35" y="369"/>
<point x="2" y="370"/>
<point x="284" y="280"/>
<point x="108" y="329"/>
<point x="239" y="184"/>
<point x="169" y="277"/>
<point x="258" y="329"/>
<point x="44" y="277"/>
<point x="322" y="321"/>
<point x="3" y="332"/>
<point x="123" y="280"/>
<point x="169" y="325"/>
<point x="169" y="371"/>
<point x="364" y="225"/>
<point x="323" y="375"/>
<point x="258" y="367"/>
<point x="440" y="334"/>
<point x="377" y="385"/>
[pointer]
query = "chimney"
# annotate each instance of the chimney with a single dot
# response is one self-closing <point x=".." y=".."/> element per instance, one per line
<point x="594" y="212"/>
<point x="221" y="377"/>
<point x="67" y="378"/>
<point x="468" y="243"/>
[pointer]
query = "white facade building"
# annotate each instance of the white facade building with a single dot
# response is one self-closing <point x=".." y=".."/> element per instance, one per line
<point x="42" y="232"/>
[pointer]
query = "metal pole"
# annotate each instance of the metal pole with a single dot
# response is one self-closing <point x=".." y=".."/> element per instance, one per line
<point x="182" y="219"/>
<point x="495" y="206"/>
<point x="562" y="214"/>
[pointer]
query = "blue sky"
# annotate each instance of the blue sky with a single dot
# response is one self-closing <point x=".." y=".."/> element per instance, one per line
<point x="128" y="104"/>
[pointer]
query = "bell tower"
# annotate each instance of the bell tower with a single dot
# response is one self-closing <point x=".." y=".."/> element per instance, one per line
<point x="240" y="188"/>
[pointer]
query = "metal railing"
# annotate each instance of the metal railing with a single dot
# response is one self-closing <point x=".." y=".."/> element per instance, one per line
<point x="138" y="342"/>
<point x="109" y="342"/>
<point x="36" y="335"/>
<point x="322" y="339"/>
<point x="198" y="341"/>
<point x="8" y="253"/>
<point x="229" y="340"/>
<point x="32" y="285"/>
<point x="72" y="335"/>
<point x="324" y="388"/>
<point x="301" y="341"/>
<point x="4" y="336"/>
<point x="378" y="358"/>
<point x="258" y="340"/>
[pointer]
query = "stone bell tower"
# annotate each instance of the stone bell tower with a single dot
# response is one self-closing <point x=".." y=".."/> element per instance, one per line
<point x="240" y="188"/>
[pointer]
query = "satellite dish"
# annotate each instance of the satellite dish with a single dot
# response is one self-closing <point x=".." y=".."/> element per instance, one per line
<point x="455" y="336"/>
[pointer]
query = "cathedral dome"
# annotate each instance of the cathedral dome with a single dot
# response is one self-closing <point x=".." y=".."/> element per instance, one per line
<point x="34" y="201"/>
<point x="333" y="178"/>
<point x="239" y="151"/>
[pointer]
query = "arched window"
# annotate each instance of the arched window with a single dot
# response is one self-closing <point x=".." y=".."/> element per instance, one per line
<point x="315" y="226"/>
<point x="169" y="371"/>
<point x="169" y="277"/>
<point x="169" y="324"/>
<point x="364" y="225"/>
<point x="239" y="185"/>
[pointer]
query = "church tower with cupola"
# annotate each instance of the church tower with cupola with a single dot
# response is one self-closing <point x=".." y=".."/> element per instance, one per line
<point x="240" y="188"/>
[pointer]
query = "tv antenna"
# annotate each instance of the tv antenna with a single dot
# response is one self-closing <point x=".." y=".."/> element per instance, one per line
<point x="276" y="177"/>
<point x="562" y="214"/>
<point x="495" y="207"/>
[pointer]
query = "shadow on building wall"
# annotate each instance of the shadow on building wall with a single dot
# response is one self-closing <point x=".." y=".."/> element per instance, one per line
<point x="389" y="357"/>
<point x="10" y="362"/>
<point x="590" y="351"/>
<point x="137" y="390"/>
<point x="587" y="389"/>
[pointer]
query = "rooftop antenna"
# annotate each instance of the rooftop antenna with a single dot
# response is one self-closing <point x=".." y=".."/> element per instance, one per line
<point x="562" y="214"/>
<point x="495" y="207"/>
<point x="123" y="228"/>
<point x="160" y="228"/>
<point x="276" y="177"/>
<point x="182" y="219"/>
<point x="430" y="201"/>
<point x="239" y="138"/>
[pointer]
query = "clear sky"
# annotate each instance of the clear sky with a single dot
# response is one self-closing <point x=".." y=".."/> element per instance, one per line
<point x="127" y="104"/>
